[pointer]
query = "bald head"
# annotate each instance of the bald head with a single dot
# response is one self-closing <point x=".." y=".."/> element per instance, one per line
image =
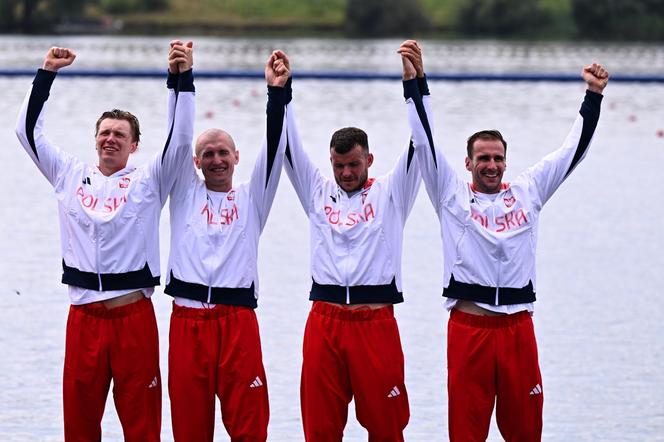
<point x="212" y="137"/>
<point x="217" y="157"/>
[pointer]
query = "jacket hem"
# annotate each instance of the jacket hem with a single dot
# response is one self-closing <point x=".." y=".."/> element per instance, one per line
<point x="241" y="296"/>
<point x="488" y="295"/>
<point x="136" y="279"/>
<point x="357" y="294"/>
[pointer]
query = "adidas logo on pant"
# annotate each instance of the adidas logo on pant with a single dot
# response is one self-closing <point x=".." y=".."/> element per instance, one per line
<point x="394" y="392"/>
<point x="536" y="390"/>
<point x="153" y="383"/>
<point x="257" y="383"/>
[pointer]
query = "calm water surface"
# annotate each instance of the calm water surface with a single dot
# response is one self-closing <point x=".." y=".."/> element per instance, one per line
<point x="600" y="271"/>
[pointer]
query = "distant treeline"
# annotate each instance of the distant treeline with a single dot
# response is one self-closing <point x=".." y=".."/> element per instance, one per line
<point x="544" y="19"/>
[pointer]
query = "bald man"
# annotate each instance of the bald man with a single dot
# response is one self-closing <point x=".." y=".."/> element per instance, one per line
<point x="215" y="226"/>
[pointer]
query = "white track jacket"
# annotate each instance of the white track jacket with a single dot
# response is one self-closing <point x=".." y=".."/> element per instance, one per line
<point x="356" y="241"/>
<point x="109" y="226"/>
<point x="214" y="250"/>
<point x="489" y="244"/>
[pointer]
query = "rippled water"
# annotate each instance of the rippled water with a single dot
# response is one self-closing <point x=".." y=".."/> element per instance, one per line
<point x="338" y="55"/>
<point x="599" y="310"/>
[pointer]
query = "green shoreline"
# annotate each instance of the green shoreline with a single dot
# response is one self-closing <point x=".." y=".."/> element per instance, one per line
<point x="539" y="20"/>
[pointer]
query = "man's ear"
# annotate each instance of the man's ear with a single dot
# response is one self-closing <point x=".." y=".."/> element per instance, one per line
<point x="237" y="157"/>
<point x="197" y="161"/>
<point x="369" y="159"/>
<point x="469" y="164"/>
<point x="134" y="146"/>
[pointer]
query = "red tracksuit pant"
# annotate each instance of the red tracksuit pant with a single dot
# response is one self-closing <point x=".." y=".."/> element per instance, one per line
<point x="121" y="344"/>
<point x="216" y="351"/>
<point x="352" y="353"/>
<point x="493" y="359"/>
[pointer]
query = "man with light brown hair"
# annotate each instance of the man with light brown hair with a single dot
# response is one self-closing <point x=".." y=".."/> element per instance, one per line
<point x="109" y="227"/>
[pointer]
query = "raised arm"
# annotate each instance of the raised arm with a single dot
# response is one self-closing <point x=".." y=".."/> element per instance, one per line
<point x="405" y="177"/>
<point x="549" y="173"/>
<point x="267" y="170"/>
<point x="303" y="174"/>
<point x="174" y="59"/>
<point x="177" y="150"/>
<point x="437" y="174"/>
<point x="48" y="158"/>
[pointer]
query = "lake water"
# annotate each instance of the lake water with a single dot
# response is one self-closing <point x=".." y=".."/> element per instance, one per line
<point x="600" y="263"/>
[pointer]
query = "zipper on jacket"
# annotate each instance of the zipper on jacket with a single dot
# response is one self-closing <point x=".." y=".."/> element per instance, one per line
<point x="97" y="241"/>
<point x="211" y="210"/>
<point x="342" y="195"/>
<point x="499" y="256"/>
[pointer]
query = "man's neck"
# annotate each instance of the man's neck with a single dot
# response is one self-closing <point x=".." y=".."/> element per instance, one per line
<point x="108" y="172"/>
<point x="219" y="187"/>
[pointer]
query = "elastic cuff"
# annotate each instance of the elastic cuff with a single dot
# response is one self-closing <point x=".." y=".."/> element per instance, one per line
<point x="591" y="104"/>
<point x="172" y="80"/>
<point x="422" y="85"/>
<point x="281" y="95"/>
<point x="597" y="97"/>
<point x="44" y="78"/>
<point x="410" y="88"/>
<point x="186" y="81"/>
